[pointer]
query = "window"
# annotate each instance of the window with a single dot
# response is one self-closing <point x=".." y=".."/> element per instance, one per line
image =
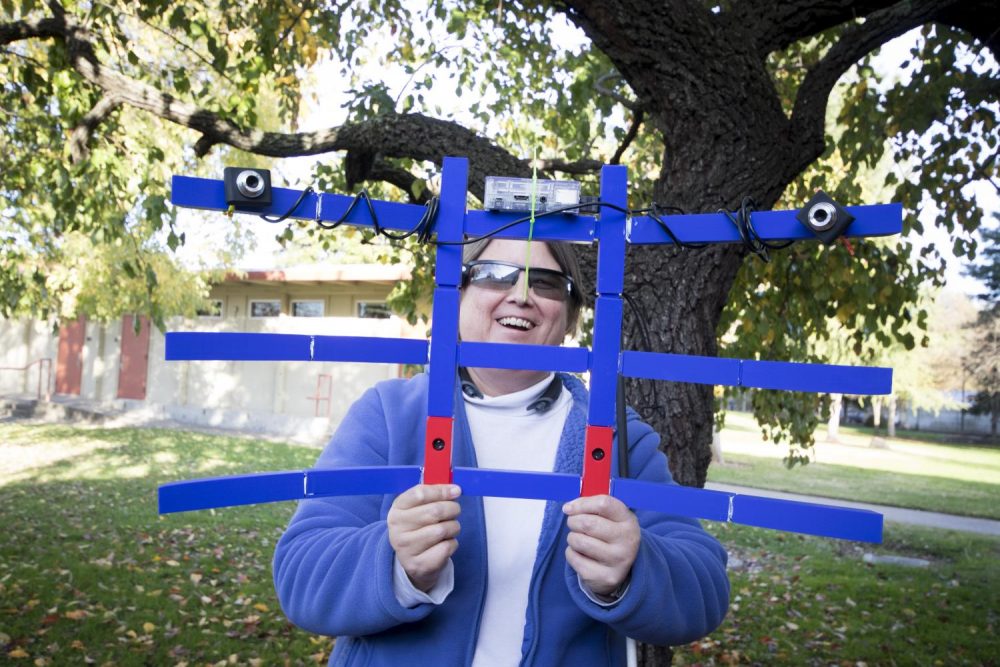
<point x="268" y="308"/>
<point x="307" y="309"/>
<point x="374" y="309"/>
<point x="213" y="311"/>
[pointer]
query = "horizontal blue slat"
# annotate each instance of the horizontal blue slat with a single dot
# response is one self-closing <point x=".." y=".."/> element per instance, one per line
<point x="799" y="517"/>
<point x="872" y="220"/>
<point x="820" y="378"/>
<point x="199" y="346"/>
<point x="514" y="484"/>
<point x="210" y="346"/>
<point x="555" y="227"/>
<point x="202" y="494"/>
<point x="209" y="194"/>
<point x="672" y="499"/>
<point x="681" y="368"/>
<point x="808" y="518"/>
<point x="361" y="481"/>
<point x="523" y="357"/>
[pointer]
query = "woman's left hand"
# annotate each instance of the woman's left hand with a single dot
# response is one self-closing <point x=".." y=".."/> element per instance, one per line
<point x="603" y="541"/>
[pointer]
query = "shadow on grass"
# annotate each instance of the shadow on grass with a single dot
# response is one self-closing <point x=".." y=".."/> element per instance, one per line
<point x="90" y="571"/>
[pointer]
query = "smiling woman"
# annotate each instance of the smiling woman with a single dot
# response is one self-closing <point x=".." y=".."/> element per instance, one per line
<point x="387" y="576"/>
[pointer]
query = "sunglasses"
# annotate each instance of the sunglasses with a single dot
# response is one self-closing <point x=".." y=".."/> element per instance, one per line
<point x="501" y="276"/>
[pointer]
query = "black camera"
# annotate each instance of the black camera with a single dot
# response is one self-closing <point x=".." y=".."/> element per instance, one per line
<point x="824" y="217"/>
<point x="246" y="187"/>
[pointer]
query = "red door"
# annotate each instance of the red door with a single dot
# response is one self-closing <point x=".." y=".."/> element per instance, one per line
<point x="69" y="360"/>
<point x="135" y="359"/>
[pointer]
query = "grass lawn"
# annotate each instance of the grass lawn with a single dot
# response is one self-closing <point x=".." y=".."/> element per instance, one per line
<point x="90" y="574"/>
<point x="941" y="477"/>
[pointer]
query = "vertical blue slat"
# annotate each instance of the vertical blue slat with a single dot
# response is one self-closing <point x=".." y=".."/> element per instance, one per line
<point x="604" y="361"/>
<point x="447" y="275"/>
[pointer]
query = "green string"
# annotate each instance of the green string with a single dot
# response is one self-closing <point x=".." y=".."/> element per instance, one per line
<point x="531" y="220"/>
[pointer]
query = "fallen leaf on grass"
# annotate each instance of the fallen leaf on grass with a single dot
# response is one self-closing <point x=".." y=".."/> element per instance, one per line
<point x="18" y="653"/>
<point x="77" y="614"/>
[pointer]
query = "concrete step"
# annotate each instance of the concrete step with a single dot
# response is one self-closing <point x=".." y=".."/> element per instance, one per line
<point x="18" y="408"/>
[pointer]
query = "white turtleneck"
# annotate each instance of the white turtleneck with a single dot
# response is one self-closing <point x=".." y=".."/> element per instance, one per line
<point x="506" y="436"/>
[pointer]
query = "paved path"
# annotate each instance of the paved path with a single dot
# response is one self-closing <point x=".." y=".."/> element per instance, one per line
<point x="894" y="514"/>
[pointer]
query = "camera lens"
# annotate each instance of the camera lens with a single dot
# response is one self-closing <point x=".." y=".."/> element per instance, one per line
<point x="822" y="215"/>
<point x="250" y="184"/>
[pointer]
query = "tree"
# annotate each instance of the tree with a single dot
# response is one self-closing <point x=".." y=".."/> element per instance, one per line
<point x="985" y="354"/>
<point x="709" y="102"/>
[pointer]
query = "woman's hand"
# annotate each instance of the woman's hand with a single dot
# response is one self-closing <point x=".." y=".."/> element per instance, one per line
<point x="603" y="541"/>
<point x="422" y="529"/>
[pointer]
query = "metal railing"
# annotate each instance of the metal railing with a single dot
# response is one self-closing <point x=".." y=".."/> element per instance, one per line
<point x="44" y="368"/>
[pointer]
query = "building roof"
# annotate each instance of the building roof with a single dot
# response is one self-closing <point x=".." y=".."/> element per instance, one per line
<point x="318" y="274"/>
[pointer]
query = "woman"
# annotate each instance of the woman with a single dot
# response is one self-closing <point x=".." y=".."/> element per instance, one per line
<point x="529" y="582"/>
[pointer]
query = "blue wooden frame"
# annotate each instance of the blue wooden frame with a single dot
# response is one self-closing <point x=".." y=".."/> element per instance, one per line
<point x="612" y="230"/>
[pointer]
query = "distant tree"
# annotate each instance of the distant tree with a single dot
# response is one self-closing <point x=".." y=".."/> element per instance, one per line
<point x="984" y="364"/>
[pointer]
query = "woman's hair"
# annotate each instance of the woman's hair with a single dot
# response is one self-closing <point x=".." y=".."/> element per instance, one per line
<point x="563" y="253"/>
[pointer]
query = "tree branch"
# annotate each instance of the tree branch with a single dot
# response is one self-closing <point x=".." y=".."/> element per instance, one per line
<point x="773" y="26"/>
<point x="78" y="140"/>
<point x="585" y="166"/>
<point x="399" y="177"/>
<point x="390" y="135"/>
<point x="809" y="112"/>
<point x="621" y="99"/>
<point x="633" y="130"/>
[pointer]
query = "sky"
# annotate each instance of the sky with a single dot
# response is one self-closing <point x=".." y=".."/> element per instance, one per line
<point x="323" y="108"/>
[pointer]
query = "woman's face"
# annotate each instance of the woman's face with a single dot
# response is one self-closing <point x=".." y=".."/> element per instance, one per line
<point x="507" y="317"/>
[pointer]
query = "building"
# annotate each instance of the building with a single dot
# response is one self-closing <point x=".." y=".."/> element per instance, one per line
<point x="110" y="365"/>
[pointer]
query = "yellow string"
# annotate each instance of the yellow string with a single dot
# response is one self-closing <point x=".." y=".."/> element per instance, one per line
<point x="531" y="220"/>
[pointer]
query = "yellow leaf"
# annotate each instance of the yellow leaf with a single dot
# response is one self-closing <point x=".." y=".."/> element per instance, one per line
<point x="18" y="653"/>
<point x="148" y="627"/>
<point x="76" y="614"/>
<point x="260" y="606"/>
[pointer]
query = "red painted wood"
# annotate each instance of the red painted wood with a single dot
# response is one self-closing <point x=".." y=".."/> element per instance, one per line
<point x="597" y="461"/>
<point x="69" y="361"/>
<point x="134" y="365"/>
<point x="437" y="459"/>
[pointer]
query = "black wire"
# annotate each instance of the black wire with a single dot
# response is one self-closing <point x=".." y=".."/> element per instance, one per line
<point x="654" y="213"/>
<point x="527" y="218"/>
<point x="284" y="216"/>
<point x="644" y="333"/>
<point x="752" y="241"/>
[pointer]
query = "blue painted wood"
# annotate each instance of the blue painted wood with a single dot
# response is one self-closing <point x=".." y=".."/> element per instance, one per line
<point x="681" y="368"/>
<point x="817" y="378"/>
<point x="212" y="492"/>
<point x="523" y="357"/>
<point x="360" y="481"/>
<point x="444" y="353"/>
<point x="224" y="346"/>
<point x="604" y="361"/>
<point x="790" y="376"/>
<point x="514" y="484"/>
<point x="555" y="227"/>
<point x="209" y="195"/>
<point x="807" y="518"/>
<point x="872" y="220"/>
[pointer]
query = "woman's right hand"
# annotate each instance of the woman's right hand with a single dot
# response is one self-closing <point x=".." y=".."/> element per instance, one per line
<point x="422" y="529"/>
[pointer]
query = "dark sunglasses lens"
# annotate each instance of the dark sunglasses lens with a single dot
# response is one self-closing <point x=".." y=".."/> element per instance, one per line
<point x="493" y="276"/>
<point x="544" y="282"/>
<point x="549" y="285"/>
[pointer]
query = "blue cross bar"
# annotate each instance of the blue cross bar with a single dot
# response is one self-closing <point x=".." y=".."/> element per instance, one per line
<point x="612" y="230"/>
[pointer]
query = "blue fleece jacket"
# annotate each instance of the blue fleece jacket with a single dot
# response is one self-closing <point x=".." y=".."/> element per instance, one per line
<point x="333" y="566"/>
